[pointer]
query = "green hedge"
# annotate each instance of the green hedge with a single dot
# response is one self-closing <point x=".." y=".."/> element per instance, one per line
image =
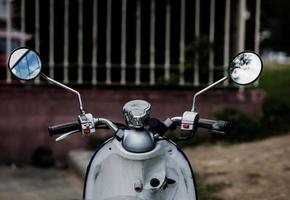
<point x="275" y="120"/>
<point x="275" y="81"/>
<point x="276" y="117"/>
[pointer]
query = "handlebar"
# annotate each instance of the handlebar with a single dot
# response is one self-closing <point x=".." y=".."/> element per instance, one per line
<point x="155" y="125"/>
<point x="75" y="126"/>
<point x="106" y="122"/>
<point x="216" y="126"/>
<point x="64" y="128"/>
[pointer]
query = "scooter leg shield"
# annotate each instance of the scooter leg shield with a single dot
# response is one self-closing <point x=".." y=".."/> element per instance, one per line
<point x="161" y="174"/>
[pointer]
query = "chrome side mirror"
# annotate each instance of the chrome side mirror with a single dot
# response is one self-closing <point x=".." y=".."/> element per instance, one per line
<point x="24" y="63"/>
<point x="245" y="68"/>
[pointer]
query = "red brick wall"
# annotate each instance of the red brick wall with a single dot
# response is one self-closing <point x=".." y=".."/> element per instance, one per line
<point x="25" y="114"/>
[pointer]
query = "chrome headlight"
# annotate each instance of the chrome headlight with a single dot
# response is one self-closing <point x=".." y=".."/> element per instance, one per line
<point x="137" y="113"/>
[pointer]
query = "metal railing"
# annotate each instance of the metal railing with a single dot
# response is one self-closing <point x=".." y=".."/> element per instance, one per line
<point x="136" y="42"/>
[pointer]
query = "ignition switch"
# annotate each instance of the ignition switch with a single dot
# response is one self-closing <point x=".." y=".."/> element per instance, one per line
<point x="189" y="121"/>
<point x="138" y="186"/>
<point x="87" y="123"/>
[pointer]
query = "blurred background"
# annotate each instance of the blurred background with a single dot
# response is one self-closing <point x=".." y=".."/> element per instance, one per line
<point x="162" y="51"/>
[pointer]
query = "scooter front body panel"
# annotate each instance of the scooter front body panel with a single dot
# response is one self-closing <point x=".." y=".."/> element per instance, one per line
<point x="161" y="174"/>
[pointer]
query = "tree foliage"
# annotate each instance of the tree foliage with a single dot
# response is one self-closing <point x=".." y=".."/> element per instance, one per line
<point x="275" y="18"/>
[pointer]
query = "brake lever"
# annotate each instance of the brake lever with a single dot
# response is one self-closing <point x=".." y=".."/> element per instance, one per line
<point x="184" y="138"/>
<point x="65" y="135"/>
<point x="218" y="132"/>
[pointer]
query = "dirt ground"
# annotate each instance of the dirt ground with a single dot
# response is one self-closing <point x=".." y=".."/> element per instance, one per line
<point x="258" y="170"/>
<point x="249" y="171"/>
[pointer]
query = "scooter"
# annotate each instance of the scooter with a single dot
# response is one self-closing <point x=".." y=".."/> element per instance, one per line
<point x="139" y="162"/>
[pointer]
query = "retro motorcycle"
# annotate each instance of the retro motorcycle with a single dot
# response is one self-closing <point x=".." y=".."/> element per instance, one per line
<point x="138" y="162"/>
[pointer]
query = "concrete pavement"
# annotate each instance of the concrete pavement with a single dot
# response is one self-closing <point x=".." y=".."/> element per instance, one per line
<point x="79" y="160"/>
<point x="28" y="183"/>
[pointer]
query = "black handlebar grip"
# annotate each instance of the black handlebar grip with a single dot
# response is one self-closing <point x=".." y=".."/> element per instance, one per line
<point x="64" y="128"/>
<point x="216" y="126"/>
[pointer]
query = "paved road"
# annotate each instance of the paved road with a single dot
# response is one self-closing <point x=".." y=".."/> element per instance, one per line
<point x="29" y="183"/>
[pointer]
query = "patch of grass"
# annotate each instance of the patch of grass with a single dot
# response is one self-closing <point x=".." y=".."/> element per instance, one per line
<point x="275" y="81"/>
<point x="241" y="127"/>
<point x="273" y="121"/>
<point x="206" y="191"/>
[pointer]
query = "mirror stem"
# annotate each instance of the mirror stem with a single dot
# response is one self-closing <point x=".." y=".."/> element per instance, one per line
<point x="205" y="89"/>
<point x="67" y="88"/>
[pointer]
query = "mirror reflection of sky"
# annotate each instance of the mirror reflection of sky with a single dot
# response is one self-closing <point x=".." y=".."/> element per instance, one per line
<point x="28" y="67"/>
<point x="246" y="68"/>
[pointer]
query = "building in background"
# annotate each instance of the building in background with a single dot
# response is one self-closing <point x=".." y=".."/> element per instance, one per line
<point x="136" y="42"/>
<point x="114" y="51"/>
<point x="10" y="38"/>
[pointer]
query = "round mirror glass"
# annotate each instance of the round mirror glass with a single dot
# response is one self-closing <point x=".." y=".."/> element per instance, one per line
<point x="245" y="68"/>
<point x="24" y="63"/>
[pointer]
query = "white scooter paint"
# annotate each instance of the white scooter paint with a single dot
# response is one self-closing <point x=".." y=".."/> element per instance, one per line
<point x="107" y="180"/>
